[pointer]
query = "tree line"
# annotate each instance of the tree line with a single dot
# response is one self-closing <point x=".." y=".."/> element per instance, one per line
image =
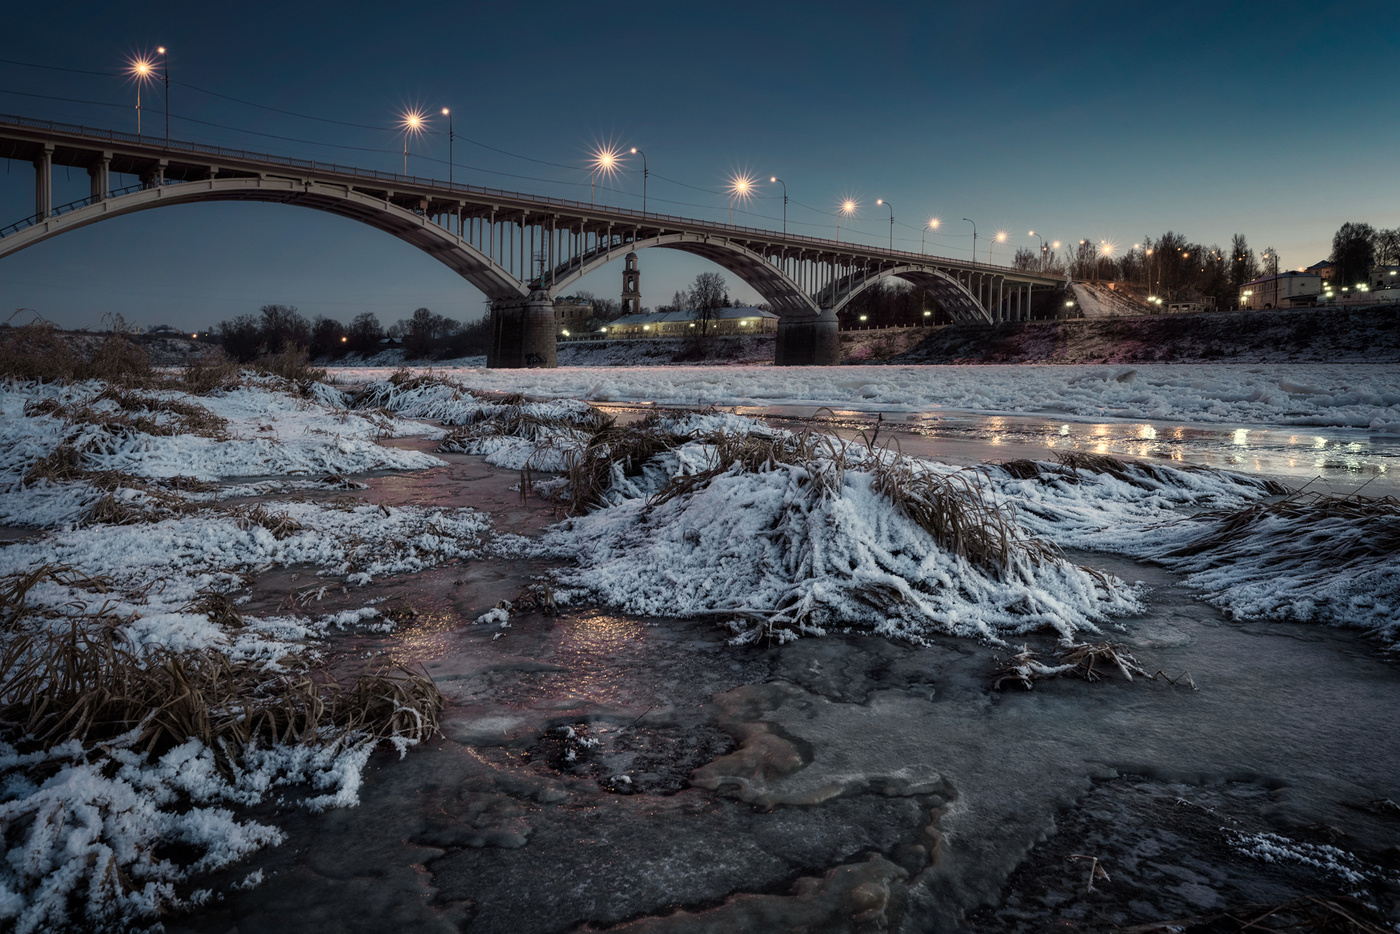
<point x="277" y="327"/>
<point x="1175" y="268"/>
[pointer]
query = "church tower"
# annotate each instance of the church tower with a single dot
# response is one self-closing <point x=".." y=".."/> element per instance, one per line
<point x="631" y="286"/>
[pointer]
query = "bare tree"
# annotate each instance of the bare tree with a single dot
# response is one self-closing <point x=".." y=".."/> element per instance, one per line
<point x="708" y="296"/>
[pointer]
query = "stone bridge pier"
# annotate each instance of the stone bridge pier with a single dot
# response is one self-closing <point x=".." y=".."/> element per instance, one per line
<point x="523" y="333"/>
<point x="808" y="340"/>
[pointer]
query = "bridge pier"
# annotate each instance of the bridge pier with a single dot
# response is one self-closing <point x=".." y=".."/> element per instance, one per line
<point x="811" y="340"/>
<point x="43" y="182"/>
<point x="522" y="334"/>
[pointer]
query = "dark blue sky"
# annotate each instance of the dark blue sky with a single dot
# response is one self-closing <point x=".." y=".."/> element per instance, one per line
<point x="1098" y="120"/>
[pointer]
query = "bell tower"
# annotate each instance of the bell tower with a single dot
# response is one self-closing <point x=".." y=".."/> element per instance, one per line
<point x="631" y="286"/>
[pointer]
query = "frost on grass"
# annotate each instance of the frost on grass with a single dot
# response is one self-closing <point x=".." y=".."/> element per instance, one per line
<point x="139" y="711"/>
<point x="1305" y="558"/>
<point x="796" y="534"/>
<point x="137" y="707"/>
<point x="67" y="450"/>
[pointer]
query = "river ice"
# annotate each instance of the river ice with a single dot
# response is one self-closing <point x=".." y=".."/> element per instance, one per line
<point x="619" y="765"/>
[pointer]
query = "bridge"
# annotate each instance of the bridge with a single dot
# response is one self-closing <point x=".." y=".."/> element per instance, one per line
<point x="520" y="250"/>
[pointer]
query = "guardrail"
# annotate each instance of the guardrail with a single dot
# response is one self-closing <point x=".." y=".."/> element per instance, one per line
<point x="62" y="209"/>
<point x="444" y="189"/>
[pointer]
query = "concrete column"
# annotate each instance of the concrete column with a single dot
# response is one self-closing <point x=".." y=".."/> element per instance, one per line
<point x="100" y="177"/>
<point x="808" y="340"/>
<point x="523" y="334"/>
<point x="43" y="182"/>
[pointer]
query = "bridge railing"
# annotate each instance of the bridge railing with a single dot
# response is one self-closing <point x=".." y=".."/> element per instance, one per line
<point x="33" y="219"/>
<point x="443" y="189"/>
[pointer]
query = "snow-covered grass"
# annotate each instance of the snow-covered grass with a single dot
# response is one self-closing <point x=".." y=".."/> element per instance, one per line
<point x="1354" y="395"/>
<point x="261" y="432"/>
<point x="103" y="832"/>
<point x="1308" y="558"/>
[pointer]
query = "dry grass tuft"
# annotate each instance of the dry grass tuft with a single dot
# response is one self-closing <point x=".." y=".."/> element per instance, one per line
<point x="590" y="471"/>
<point x="135" y="413"/>
<point x="1146" y="476"/>
<point x="213" y="372"/>
<point x="292" y="364"/>
<point x="97" y="686"/>
<point x="1307" y="527"/>
<point x="219" y="607"/>
<point x="280" y="524"/>
<point x="39" y="351"/>
<point x="956" y="512"/>
<point x="15" y="588"/>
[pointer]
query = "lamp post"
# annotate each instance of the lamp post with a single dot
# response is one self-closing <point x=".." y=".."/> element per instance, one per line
<point x="140" y="70"/>
<point x="974" y="238"/>
<point x="165" y="67"/>
<point x="999" y="238"/>
<point x="604" y="164"/>
<point x="412" y="122"/>
<point x="1032" y="233"/>
<point x="931" y="225"/>
<point x="848" y="207"/>
<point x="448" y="114"/>
<point x="891" y="207"/>
<point x="645" y="174"/>
<point x="779" y="181"/>
<point x="740" y="189"/>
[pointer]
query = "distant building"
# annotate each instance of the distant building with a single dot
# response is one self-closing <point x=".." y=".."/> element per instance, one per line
<point x="571" y="315"/>
<point x="742" y="319"/>
<point x="1324" y="269"/>
<point x="1181" y="308"/>
<point x="1281" y="291"/>
<point x="1383" y="277"/>
<point x="631" y="286"/>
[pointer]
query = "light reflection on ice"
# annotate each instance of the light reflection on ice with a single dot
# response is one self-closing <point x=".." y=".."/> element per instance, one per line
<point x="1241" y="436"/>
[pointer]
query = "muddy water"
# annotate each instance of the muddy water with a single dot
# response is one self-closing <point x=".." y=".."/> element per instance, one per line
<point x="597" y="771"/>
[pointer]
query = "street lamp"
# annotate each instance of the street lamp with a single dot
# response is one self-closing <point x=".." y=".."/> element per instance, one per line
<point x="1032" y="233"/>
<point x="848" y="208"/>
<point x="448" y="114"/>
<point x="932" y="225"/>
<point x="776" y="180"/>
<point x="605" y="160"/>
<point x="413" y="122"/>
<point x="165" y="68"/>
<point x="891" y="207"/>
<point x="1000" y="238"/>
<point x="645" y="174"/>
<point x="740" y="189"/>
<point x="142" y="71"/>
<point x="974" y="238"/>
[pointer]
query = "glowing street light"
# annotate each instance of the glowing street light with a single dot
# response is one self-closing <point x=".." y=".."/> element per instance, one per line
<point x="891" y="207"/>
<point x="450" y="136"/>
<point x="1032" y="233"/>
<point x="645" y="174"/>
<point x="413" y="123"/>
<point x="165" y="71"/>
<point x="606" y="161"/>
<point x="848" y="209"/>
<point x="778" y="181"/>
<point x="931" y="225"/>
<point x="142" y="71"/>
<point x="1000" y="238"/>
<point x="740" y="189"/>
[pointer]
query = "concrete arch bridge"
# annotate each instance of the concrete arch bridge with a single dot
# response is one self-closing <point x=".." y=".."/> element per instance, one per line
<point x="521" y="250"/>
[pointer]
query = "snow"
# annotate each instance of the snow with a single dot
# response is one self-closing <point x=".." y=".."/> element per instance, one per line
<point x="1349" y="395"/>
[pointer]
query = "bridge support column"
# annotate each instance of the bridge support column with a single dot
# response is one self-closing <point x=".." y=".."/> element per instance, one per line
<point x="100" y="177"/>
<point x="811" y="340"/>
<point x="522" y="334"/>
<point x="43" y="182"/>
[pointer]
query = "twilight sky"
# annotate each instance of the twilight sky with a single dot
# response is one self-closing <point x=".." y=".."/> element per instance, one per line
<point x="1081" y="120"/>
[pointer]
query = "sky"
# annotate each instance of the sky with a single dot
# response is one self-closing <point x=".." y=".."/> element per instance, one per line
<point x="1101" y="121"/>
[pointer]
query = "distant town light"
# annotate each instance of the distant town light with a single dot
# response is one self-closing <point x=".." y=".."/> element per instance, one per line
<point x="195" y="337"/>
<point x="566" y="332"/>
<point x="862" y="317"/>
<point x="344" y="339"/>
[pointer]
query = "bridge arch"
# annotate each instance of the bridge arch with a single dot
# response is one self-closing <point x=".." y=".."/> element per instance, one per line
<point x="784" y="295"/>
<point x="961" y="304"/>
<point x="415" y="229"/>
